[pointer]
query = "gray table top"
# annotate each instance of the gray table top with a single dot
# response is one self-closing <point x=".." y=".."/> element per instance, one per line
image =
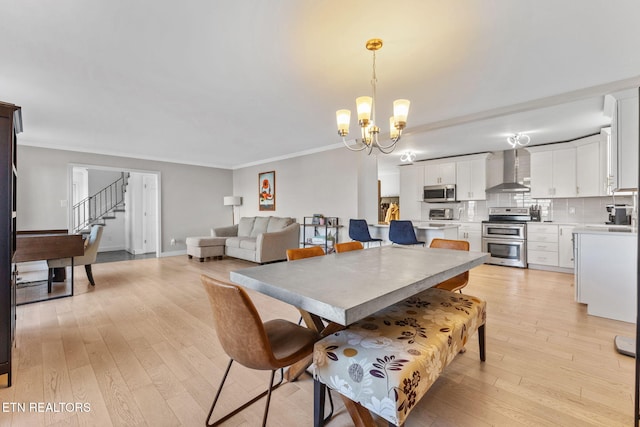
<point x="349" y="286"/>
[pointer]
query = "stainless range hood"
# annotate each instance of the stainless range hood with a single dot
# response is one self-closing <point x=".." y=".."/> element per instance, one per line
<point x="510" y="176"/>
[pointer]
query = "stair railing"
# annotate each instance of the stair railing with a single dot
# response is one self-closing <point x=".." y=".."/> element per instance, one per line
<point x="97" y="206"/>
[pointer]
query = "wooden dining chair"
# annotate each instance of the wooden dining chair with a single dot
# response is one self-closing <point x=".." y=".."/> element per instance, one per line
<point x="271" y="345"/>
<point x="302" y="253"/>
<point x="460" y="281"/>
<point x="348" y="246"/>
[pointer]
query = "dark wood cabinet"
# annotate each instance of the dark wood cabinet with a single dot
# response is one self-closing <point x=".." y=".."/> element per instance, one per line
<point x="10" y="126"/>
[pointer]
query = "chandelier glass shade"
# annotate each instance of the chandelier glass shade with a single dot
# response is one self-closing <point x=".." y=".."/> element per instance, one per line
<point x="366" y="110"/>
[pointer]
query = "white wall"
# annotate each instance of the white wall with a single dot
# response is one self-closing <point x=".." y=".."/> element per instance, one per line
<point x="191" y="196"/>
<point x="325" y="182"/>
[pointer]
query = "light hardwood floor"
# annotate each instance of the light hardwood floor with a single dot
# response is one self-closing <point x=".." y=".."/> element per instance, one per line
<point x="139" y="348"/>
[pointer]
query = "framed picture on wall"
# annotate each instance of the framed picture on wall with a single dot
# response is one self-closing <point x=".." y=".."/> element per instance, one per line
<point x="267" y="191"/>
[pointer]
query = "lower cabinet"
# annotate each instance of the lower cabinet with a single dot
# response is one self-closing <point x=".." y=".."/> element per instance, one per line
<point x="550" y="246"/>
<point x="565" y="246"/>
<point x="472" y="233"/>
<point x="542" y="244"/>
<point x="606" y="274"/>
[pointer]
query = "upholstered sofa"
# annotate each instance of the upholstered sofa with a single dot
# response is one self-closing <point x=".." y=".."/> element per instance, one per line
<point x="260" y="238"/>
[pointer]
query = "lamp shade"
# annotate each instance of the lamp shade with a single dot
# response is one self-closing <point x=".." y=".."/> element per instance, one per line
<point x="232" y="200"/>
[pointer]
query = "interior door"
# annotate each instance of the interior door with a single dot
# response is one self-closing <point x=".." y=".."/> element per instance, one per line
<point x="149" y="212"/>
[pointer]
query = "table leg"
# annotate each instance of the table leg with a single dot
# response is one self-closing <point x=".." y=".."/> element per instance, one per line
<point x="313" y="322"/>
<point x="360" y="415"/>
<point x="71" y="276"/>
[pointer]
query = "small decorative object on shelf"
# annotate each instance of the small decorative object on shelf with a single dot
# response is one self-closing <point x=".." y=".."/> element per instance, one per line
<point x="318" y="230"/>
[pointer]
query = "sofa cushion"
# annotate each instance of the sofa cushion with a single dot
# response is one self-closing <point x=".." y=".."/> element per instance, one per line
<point x="248" y="243"/>
<point x="259" y="225"/>
<point x="277" y="223"/>
<point x="245" y="226"/>
<point x="233" y="242"/>
<point x="241" y="242"/>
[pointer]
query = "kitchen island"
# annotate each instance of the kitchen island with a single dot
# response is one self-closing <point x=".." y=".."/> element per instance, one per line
<point x="425" y="231"/>
<point x="606" y="271"/>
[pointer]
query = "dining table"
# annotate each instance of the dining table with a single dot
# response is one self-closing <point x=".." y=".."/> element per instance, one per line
<point x="336" y="290"/>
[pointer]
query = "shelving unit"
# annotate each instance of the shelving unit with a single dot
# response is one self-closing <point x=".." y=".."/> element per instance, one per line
<point x="10" y="125"/>
<point x="316" y="234"/>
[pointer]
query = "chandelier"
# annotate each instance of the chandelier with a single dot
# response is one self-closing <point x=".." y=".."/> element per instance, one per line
<point x="366" y="108"/>
<point x="518" y="139"/>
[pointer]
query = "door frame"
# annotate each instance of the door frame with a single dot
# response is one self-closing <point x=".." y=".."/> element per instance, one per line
<point x="158" y="175"/>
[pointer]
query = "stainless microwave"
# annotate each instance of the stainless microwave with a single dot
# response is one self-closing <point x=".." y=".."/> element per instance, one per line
<point x="440" y="193"/>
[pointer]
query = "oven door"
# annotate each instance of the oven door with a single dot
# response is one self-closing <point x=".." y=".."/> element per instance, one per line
<point x="514" y="231"/>
<point x="511" y="253"/>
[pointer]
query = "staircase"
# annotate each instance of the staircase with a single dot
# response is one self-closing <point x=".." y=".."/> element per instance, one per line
<point x="98" y="208"/>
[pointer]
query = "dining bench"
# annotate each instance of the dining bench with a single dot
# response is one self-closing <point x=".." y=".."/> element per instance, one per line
<point x="386" y="362"/>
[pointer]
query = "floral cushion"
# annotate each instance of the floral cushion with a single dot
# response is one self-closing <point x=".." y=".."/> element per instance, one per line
<point x="388" y="361"/>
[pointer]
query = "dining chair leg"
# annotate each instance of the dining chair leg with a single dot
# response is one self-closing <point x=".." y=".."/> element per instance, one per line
<point x="319" y="403"/>
<point x="87" y="268"/>
<point x="244" y="405"/>
<point x="49" y="280"/>
<point x="481" y="342"/>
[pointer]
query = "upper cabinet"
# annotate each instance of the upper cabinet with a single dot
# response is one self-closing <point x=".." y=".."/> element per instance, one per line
<point x="578" y="168"/>
<point x="389" y="184"/>
<point x="471" y="177"/>
<point x="592" y="176"/>
<point x="439" y="172"/>
<point x="553" y="171"/>
<point x="624" y="135"/>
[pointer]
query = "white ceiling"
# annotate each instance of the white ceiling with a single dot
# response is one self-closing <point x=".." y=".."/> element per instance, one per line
<point x="229" y="83"/>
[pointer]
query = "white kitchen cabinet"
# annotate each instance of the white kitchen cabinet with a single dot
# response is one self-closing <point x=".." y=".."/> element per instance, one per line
<point x="553" y="171"/>
<point x="472" y="233"/>
<point x="591" y="167"/>
<point x="439" y="172"/>
<point x="565" y="246"/>
<point x="542" y="244"/>
<point x="626" y="133"/>
<point x="411" y="192"/>
<point x="471" y="178"/>
<point x="389" y="184"/>
<point x="606" y="273"/>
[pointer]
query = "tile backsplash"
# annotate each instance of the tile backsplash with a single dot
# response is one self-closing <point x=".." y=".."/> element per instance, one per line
<point x="586" y="210"/>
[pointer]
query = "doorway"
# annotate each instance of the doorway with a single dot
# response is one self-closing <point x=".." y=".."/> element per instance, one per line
<point x="133" y="229"/>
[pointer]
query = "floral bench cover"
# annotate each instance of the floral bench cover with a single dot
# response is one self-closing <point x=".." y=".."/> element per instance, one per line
<point x="388" y="361"/>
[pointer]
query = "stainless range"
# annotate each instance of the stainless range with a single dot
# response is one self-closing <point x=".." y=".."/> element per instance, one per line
<point x="504" y="236"/>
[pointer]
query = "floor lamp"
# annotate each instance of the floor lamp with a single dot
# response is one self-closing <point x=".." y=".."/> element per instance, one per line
<point x="233" y="201"/>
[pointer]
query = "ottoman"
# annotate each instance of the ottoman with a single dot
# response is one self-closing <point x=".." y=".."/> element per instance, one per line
<point x="205" y="247"/>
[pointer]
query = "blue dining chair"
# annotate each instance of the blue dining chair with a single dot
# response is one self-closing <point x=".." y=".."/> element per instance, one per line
<point x="401" y="232"/>
<point x="359" y="231"/>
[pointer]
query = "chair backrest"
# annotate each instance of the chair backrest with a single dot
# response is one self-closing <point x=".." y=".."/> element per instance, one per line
<point x="238" y="325"/>
<point x="348" y="246"/>
<point x="301" y="253"/>
<point x="402" y="232"/>
<point x="359" y="230"/>
<point x="91" y="247"/>
<point x="460" y="281"/>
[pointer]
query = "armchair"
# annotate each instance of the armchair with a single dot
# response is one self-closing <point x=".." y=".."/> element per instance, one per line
<point x="90" y="253"/>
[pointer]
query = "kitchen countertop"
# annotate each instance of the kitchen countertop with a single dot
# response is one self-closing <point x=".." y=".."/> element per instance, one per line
<point x="606" y="229"/>
<point x="425" y="225"/>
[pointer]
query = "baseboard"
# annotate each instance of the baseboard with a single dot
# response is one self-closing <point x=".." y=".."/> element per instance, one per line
<point x="173" y="253"/>
<point x="111" y="248"/>
<point x="550" y="268"/>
